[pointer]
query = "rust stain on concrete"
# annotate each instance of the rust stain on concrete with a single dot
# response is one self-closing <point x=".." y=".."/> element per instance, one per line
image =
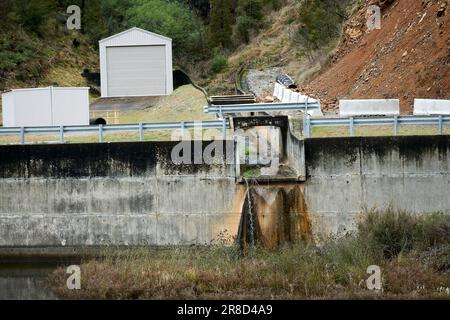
<point x="227" y="230"/>
<point x="279" y="214"/>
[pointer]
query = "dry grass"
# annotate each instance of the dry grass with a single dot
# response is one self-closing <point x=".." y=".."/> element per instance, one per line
<point x="336" y="269"/>
<point x="185" y="104"/>
<point x="372" y="131"/>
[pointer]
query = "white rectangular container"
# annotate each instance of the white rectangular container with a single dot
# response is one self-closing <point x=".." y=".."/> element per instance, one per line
<point x="429" y="107"/>
<point x="372" y="107"/>
<point x="44" y="107"/>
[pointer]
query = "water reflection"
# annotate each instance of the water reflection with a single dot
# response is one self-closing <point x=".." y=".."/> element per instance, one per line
<point x="25" y="281"/>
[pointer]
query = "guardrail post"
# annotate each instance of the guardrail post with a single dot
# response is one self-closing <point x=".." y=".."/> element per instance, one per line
<point x="100" y="133"/>
<point x="395" y="125"/>
<point x="22" y="135"/>
<point x="306" y="119"/>
<point x="183" y="129"/>
<point x="352" y="127"/>
<point x="141" y="132"/>
<point x="61" y="134"/>
<point x="307" y="126"/>
<point x="224" y="129"/>
<point x="441" y="125"/>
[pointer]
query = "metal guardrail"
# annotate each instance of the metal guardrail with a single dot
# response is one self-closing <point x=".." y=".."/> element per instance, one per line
<point x="222" y="124"/>
<point x="395" y="121"/>
<point x="261" y="107"/>
<point x="231" y="100"/>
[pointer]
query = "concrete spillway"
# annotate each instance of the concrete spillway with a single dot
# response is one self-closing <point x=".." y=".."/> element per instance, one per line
<point x="273" y="215"/>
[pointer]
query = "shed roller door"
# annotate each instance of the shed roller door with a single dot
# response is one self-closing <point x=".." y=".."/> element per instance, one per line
<point x="136" y="71"/>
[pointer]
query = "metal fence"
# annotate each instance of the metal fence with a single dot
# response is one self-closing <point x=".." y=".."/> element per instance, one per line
<point x="396" y="121"/>
<point x="261" y="107"/>
<point x="221" y="124"/>
<point x="224" y="124"/>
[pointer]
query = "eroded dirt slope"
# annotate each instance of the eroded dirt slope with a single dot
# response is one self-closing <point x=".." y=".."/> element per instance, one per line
<point x="409" y="57"/>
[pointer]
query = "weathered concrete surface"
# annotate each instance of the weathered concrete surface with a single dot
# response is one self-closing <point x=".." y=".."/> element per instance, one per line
<point x="291" y="150"/>
<point x="132" y="193"/>
<point x="345" y="176"/>
<point x="278" y="216"/>
<point x="110" y="194"/>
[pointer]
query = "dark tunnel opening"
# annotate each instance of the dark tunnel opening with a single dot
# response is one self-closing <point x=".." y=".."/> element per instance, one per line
<point x="98" y="121"/>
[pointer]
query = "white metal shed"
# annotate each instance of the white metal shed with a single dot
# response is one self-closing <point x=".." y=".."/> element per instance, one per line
<point x="136" y="63"/>
<point x="45" y="107"/>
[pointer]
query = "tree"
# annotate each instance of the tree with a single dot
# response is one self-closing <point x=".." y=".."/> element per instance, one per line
<point x="94" y="24"/>
<point x="115" y="14"/>
<point x="320" y="22"/>
<point x="201" y="7"/>
<point x="5" y="7"/>
<point x="34" y="15"/>
<point x="221" y="23"/>
<point x="251" y="8"/>
<point x="250" y="18"/>
<point x="173" y="19"/>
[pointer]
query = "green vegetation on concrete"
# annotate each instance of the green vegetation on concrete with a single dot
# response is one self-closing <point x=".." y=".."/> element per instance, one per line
<point x="412" y="251"/>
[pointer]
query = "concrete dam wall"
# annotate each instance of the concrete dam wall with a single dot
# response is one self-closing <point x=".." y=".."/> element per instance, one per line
<point x="110" y="194"/>
<point x="347" y="176"/>
<point x="133" y="194"/>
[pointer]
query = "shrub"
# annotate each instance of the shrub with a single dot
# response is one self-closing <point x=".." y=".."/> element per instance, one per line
<point x="408" y="276"/>
<point x="433" y="230"/>
<point x="438" y="258"/>
<point x="19" y="57"/>
<point x="334" y="269"/>
<point x="219" y="62"/>
<point x="252" y="9"/>
<point x="394" y="232"/>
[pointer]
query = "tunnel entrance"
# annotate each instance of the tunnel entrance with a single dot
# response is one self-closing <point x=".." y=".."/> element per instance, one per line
<point x="98" y="121"/>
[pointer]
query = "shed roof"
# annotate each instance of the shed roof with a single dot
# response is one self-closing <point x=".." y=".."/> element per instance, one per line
<point x="43" y="88"/>
<point x="136" y="29"/>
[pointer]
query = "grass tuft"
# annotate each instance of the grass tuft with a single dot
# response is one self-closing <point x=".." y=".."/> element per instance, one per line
<point x="412" y="251"/>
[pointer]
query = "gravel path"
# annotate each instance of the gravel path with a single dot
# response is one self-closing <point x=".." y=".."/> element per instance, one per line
<point x="261" y="82"/>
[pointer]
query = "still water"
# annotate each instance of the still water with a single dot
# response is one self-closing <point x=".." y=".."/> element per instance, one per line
<point x="25" y="281"/>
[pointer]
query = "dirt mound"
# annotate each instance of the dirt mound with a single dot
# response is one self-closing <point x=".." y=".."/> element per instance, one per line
<point x="409" y="57"/>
